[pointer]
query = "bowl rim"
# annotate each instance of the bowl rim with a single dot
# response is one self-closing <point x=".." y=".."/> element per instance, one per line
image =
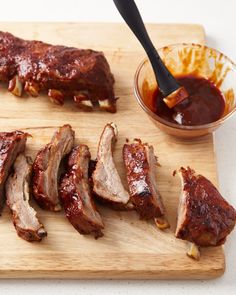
<point x="138" y="95"/>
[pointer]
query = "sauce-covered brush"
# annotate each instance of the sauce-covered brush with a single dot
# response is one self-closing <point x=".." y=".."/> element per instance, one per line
<point x="172" y="91"/>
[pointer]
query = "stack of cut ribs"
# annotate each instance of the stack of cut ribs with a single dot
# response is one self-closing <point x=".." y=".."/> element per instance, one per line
<point x="204" y="216"/>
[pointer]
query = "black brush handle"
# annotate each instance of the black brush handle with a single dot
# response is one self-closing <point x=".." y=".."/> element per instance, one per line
<point x="129" y="11"/>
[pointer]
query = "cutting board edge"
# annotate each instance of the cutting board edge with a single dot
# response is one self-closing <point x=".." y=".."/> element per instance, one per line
<point x="135" y="269"/>
<point x="118" y="275"/>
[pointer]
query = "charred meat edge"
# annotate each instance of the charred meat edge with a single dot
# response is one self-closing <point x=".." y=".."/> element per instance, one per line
<point x="24" y="216"/>
<point x="76" y="196"/>
<point x="107" y="184"/>
<point x="140" y="163"/>
<point x="11" y="144"/>
<point x="205" y="218"/>
<point x="46" y="167"/>
<point x="82" y="75"/>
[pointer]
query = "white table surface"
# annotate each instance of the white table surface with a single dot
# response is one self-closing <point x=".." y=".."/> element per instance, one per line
<point x="219" y="20"/>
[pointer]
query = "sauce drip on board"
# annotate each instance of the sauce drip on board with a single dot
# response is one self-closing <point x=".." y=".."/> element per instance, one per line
<point x="204" y="105"/>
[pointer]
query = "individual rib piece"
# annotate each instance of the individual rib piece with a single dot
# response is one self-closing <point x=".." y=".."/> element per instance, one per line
<point x="140" y="163"/>
<point x="11" y="144"/>
<point x="46" y="166"/>
<point x="204" y="216"/>
<point x="106" y="181"/>
<point x="75" y="194"/>
<point x="18" y="194"/>
<point x="64" y="72"/>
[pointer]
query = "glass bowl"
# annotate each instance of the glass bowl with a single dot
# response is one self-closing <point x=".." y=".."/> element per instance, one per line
<point x="184" y="59"/>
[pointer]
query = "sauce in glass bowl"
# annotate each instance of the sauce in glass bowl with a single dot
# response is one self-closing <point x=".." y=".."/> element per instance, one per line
<point x="205" y="104"/>
<point x="208" y="72"/>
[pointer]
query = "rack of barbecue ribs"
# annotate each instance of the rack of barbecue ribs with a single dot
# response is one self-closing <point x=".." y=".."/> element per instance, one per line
<point x="205" y="218"/>
<point x="46" y="168"/>
<point x="62" y="72"/>
<point x="107" y="183"/>
<point x="11" y="144"/>
<point x="76" y="196"/>
<point x="140" y="163"/>
<point x="24" y="216"/>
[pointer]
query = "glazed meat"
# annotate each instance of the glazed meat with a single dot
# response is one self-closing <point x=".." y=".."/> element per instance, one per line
<point x="76" y="196"/>
<point x="140" y="163"/>
<point x="63" y="72"/>
<point x="204" y="217"/>
<point x="18" y="194"/>
<point x="106" y="181"/>
<point x="46" y="167"/>
<point x="11" y="144"/>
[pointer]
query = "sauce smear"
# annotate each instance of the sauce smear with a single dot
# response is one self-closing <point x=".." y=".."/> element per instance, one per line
<point x="204" y="105"/>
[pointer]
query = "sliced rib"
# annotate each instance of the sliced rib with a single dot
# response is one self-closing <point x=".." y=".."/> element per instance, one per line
<point x="140" y="163"/>
<point x="76" y="196"/>
<point x="106" y="181"/>
<point x="46" y="166"/>
<point x="204" y="216"/>
<point x="18" y="194"/>
<point x="11" y="144"/>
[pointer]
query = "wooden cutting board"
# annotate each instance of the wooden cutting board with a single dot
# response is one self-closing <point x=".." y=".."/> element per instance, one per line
<point x="130" y="248"/>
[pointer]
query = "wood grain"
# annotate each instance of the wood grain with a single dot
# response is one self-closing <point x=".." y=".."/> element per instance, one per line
<point x="130" y="248"/>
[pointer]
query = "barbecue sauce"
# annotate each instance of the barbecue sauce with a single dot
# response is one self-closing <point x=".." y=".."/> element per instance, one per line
<point x="204" y="105"/>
